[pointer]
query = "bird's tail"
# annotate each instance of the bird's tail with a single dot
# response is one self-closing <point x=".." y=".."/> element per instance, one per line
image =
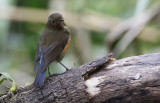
<point x="39" y="80"/>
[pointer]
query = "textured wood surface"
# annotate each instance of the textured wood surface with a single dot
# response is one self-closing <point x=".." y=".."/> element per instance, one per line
<point x="129" y="80"/>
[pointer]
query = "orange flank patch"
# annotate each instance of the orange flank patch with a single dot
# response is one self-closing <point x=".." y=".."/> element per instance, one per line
<point x="67" y="45"/>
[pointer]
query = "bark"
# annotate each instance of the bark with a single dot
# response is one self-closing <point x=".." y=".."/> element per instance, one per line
<point x="129" y="80"/>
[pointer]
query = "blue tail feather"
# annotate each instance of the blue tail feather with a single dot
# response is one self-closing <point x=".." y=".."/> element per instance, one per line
<point x="39" y="80"/>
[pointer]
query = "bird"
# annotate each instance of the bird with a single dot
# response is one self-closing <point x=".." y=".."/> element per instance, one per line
<point x="52" y="47"/>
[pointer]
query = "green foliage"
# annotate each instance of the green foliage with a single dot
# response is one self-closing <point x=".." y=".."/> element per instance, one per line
<point x="112" y="7"/>
<point x="33" y="3"/>
<point x="6" y="76"/>
<point x="98" y="38"/>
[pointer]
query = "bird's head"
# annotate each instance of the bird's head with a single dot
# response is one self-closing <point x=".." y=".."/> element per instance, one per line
<point x="56" y="21"/>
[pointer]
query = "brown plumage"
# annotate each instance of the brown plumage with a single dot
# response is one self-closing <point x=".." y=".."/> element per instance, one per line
<point x="52" y="45"/>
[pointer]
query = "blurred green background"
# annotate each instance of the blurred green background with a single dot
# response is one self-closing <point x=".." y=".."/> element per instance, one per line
<point x="124" y="27"/>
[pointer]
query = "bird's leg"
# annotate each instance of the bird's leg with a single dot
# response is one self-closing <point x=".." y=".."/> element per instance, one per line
<point x="49" y="73"/>
<point x="63" y="65"/>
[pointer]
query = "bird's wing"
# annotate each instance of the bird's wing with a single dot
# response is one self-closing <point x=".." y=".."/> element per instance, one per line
<point x="50" y="54"/>
<point x="54" y="51"/>
<point x="38" y="53"/>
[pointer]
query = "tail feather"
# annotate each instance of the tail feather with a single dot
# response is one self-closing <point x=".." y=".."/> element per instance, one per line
<point x="39" y="80"/>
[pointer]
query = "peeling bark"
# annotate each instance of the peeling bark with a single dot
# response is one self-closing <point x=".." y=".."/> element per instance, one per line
<point x="129" y="80"/>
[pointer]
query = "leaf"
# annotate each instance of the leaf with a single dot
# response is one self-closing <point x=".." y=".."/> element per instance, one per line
<point x="1" y="81"/>
<point x="8" y="77"/>
<point x="13" y="87"/>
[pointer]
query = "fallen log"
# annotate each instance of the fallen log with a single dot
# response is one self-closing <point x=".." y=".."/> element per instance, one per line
<point x="130" y="80"/>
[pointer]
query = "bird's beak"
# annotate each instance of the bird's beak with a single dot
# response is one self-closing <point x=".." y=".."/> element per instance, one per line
<point x="62" y="20"/>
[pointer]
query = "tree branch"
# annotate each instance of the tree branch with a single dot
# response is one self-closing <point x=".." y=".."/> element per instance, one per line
<point x="129" y="80"/>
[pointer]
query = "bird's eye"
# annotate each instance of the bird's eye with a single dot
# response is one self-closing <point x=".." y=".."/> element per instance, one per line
<point x="53" y="22"/>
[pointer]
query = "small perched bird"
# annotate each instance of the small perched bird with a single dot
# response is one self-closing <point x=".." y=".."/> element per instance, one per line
<point x="52" y="46"/>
